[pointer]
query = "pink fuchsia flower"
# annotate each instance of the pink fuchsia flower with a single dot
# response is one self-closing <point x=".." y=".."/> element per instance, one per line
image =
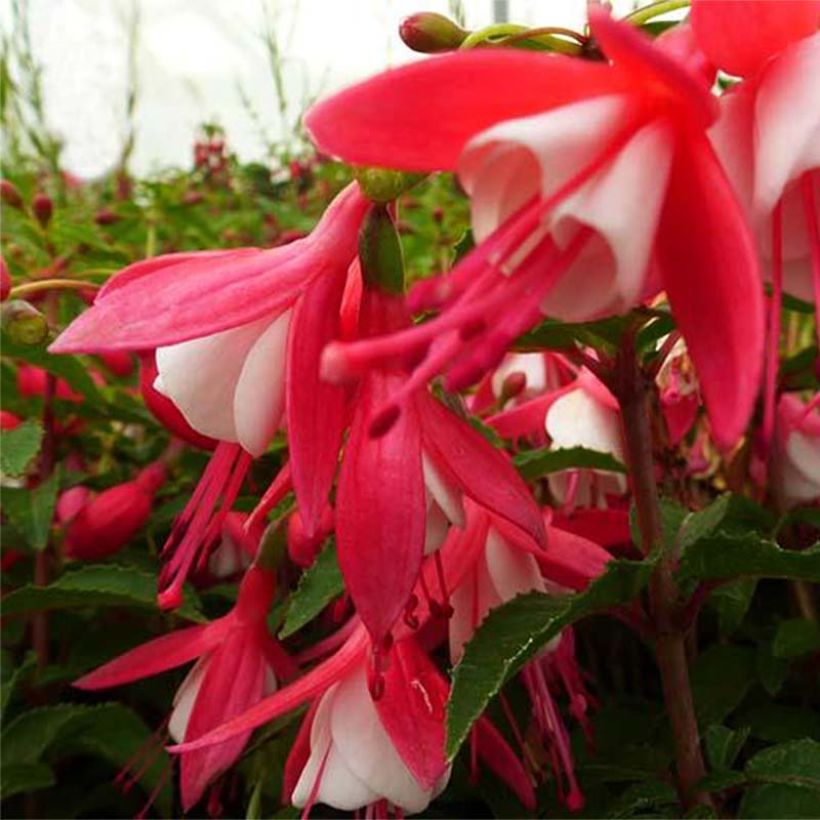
<point x="98" y="525"/>
<point x="237" y="546"/>
<point x="399" y="491"/>
<point x="678" y="392"/>
<point x="577" y="172"/>
<point x="238" y="664"/>
<point x="796" y="455"/>
<point x="236" y="334"/>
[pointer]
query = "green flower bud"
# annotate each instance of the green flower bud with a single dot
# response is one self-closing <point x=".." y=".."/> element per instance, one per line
<point x="380" y="252"/>
<point x="24" y="324"/>
<point x="431" y="33"/>
<point x="384" y="185"/>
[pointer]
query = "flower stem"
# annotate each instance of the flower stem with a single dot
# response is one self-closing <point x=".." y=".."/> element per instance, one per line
<point x="643" y="15"/>
<point x="27" y="288"/>
<point x="633" y="390"/>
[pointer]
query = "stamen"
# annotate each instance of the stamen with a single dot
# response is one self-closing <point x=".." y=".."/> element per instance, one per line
<point x="813" y="226"/>
<point x="773" y="341"/>
<point x="409" y="617"/>
<point x="446" y="607"/>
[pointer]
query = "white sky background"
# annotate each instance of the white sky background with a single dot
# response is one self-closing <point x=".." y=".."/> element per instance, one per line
<point x="193" y="55"/>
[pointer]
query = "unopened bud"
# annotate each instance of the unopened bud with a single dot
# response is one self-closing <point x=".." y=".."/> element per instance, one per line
<point x="43" y="207"/>
<point x="431" y="33"/>
<point x="384" y="185"/>
<point x="105" y="216"/>
<point x="5" y="280"/>
<point x="380" y="252"/>
<point x="24" y="323"/>
<point x="10" y="195"/>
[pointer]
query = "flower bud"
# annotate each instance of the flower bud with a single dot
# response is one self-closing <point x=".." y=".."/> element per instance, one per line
<point x="380" y="252"/>
<point x="43" y="208"/>
<point x="24" y="323"/>
<point x="8" y="421"/>
<point x="384" y="185"/>
<point x="5" y="280"/>
<point x="105" y="216"/>
<point x="9" y="194"/>
<point x="431" y="33"/>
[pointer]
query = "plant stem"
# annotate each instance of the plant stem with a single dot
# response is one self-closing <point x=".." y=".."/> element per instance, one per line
<point x="647" y="13"/>
<point x="633" y="390"/>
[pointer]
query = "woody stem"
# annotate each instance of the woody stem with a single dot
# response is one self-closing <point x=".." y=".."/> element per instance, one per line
<point x="633" y="390"/>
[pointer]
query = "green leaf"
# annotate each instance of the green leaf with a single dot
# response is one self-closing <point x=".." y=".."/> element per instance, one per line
<point x="720" y="781"/>
<point x="20" y="778"/>
<point x="9" y="686"/>
<point x="31" y="511"/>
<point x="771" y="671"/>
<point x="723" y="745"/>
<point x="731" y="602"/>
<point x="556" y="335"/>
<point x="648" y="796"/>
<point x="777" y="723"/>
<point x="795" y="637"/>
<point x="94" y="585"/>
<point x="68" y="367"/>
<point x="537" y="463"/>
<point x="318" y="586"/>
<point x="511" y="634"/>
<point x="789" y="774"/>
<point x="19" y="446"/>
<point x="721" y="676"/>
<point x="725" y="555"/>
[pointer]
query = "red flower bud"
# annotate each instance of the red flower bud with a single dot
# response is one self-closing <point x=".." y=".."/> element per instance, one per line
<point x="430" y="33"/>
<point x="105" y="216"/>
<point x="118" y="362"/>
<point x="5" y="280"/>
<point x="8" y="421"/>
<point x="10" y="195"/>
<point x="43" y="208"/>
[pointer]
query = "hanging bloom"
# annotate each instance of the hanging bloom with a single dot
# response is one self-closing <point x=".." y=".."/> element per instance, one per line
<point x="796" y="456"/>
<point x="237" y="337"/>
<point x="399" y="492"/>
<point x="238" y="664"/>
<point x="592" y="186"/>
<point x="100" y="524"/>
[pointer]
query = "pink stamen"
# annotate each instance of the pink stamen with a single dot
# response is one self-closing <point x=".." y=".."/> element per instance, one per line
<point x="813" y="226"/>
<point x="773" y="345"/>
<point x="163" y="779"/>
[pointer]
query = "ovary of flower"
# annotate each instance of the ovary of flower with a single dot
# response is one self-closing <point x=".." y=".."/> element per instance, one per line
<point x="353" y="762"/>
<point x="230" y="385"/>
<point x="577" y="419"/>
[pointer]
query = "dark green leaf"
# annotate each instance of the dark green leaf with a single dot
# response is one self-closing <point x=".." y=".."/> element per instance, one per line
<point x="724" y="555"/>
<point x="95" y="585"/>
<point x="318" y="586"/>
<point x="648" y="796"/>
<point x="723" y="745"/>
<point x="720" y="781"/>
<point x="20" y="778"/>
<point x="513" y="633"/>
<point x="720" y="677"/>
<point x="31" y="511"/>
<point x="796" y="637"/>
<point x="9" y="686"/>
<point x="777" y="723"/>
<point x="771" y="671"/>
<point x="537" y="463"/>
<point x="732" y="601"/>
<point x="18" y="447"/>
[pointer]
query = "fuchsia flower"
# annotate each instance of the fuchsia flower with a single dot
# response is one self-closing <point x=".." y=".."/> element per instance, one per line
<point x="592" y="186"/>
<point x="237" y="546"/>
<point x="375" y="731"/>
<point x="399" y="492"/>
<point x="237" y="336"/>
<point x="99" y="524"/>
<point x="796" y="456"/>
<point x="238" y="664"/>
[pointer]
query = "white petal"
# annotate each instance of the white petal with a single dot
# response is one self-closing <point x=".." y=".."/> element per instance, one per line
<point x="184" y="700"/>
<point x="367" y="749"/>
<point x="260" y="390"/>
<point x="436" y="527"/>
<point x="611" y="272"/>
<point x="512" y="571"/>
<point x="460" y="626"/>
<point x="788" y="121"/>
<point x="446" y="495"/>
<point x="577" y="420"/>
<point x="803" y="453"/>
<point x="502" y="167"/>
<point x="200" y="376"/>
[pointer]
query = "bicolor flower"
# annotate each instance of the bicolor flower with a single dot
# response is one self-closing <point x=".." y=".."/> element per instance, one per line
<point x="768" y="137"/>
<point x="592" y="186"/>
<point x="237" y="337"/>
<point x="238" y="663"/>
<point x="796" y="454"/>
<point x="398" y="492"/>
<point x="98" y="525"/>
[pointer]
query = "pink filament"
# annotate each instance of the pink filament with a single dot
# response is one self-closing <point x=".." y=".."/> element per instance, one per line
<point x="813" y="226"/>
<point x="773" y="347"/>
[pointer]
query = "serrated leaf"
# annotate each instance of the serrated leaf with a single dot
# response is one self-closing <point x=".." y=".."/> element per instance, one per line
<point x="720" y="781"/>
<point x="723" y="745"/>
<point x="10" y="685"/>
<point x="19" y="446"/>
<point x="771" y="671"/>
<point x="511" y="634"/>
<point x="318" y="586"/>
<point x="795" y="637"/>
<point x="536" y="463"/>
<point x="95" y="585"/>
<point x="721" y="677"/>
<point x="789" y="774"/>
<point x="21" y="778"/>
<point x="31" y="511"/>
<point x="725" y="555"/>
<point x="641" y="797"/>
<point x="732" y="602"/>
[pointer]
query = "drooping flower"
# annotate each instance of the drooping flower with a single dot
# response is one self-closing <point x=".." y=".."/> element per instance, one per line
<point x="768" y="138"/>
<point x="238" y="664"/>
<point x="237" y="337"/>
<point x="237" y="546"/>
<point x="578" y="173"/>
<point x="99" y="524"/>
<point x="398" y="492"/>
<point x="796" y="455"/>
